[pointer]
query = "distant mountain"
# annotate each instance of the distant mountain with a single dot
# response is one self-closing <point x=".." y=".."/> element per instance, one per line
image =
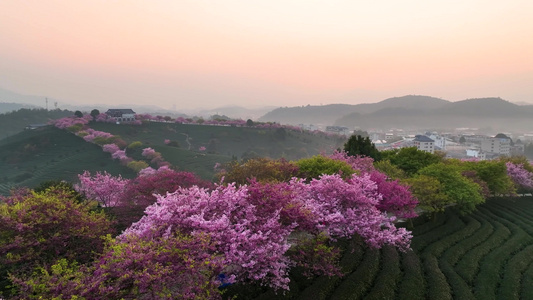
<point x="234" y="112"/>
<point x="12" y="97"/>
<point x="310" y="114"/>
<point x="328" y="114"/>
<point x="9" y="107"/>
<point x="493" y="113"/>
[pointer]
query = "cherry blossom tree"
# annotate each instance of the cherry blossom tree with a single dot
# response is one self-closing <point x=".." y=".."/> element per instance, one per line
<point x="520" y="176"/>
<point x="253" y="235"/>
<point x="102" y="187"/>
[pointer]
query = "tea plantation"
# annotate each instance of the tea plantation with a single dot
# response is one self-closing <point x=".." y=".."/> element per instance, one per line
<point x="485" y="255"/>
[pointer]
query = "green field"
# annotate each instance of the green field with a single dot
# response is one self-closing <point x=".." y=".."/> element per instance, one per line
<point x="485" y="255"/>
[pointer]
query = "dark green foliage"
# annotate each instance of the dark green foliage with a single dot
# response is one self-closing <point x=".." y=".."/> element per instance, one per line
<point x="438" y="287"/>
<point x="78" y="114"/>
<point x="95" y="112"/>
<point x="385" y="284"/>
<point x="358" y="145"/>
<point x="412" y="285"/>
<point x="357" y="284"/>
<point x="410" y="159"/>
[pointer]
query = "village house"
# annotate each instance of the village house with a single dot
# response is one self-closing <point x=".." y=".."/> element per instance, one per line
<point x="121" y="114"/>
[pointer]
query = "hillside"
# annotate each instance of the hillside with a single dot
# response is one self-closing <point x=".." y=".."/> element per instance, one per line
<point x="328" y="114"/>
<point x="48" y="153"/>
<point x="222" y="141"/>
<point x="33" y="156"/>
<point x="492" y="113"/>
<point x="14" y="122"/>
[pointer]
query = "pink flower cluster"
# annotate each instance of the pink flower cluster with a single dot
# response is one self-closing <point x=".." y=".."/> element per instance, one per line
<point x="121" y="155"/>
<point x="251" y="226"/>
<point x="360" y="163"/>
<point x="155" y="157"/>
<point x="102" y="187"/>
<point x="92" y="134"/>
<point x="520" y="176"/>
<point x="110" y="148"/>
<point x="149" y="153"/>
<point x="66" y="122"/>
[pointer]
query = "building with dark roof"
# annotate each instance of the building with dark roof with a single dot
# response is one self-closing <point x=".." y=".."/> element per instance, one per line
<point x="424" y="143"/>
<point x="121" y="114"/>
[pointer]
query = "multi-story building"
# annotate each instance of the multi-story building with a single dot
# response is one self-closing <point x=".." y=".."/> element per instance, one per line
<point x="500" y="145"/>
<point x="424" y="143"/>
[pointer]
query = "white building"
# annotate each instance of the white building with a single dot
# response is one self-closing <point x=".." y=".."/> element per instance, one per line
<point x="500" y="145"/>
<point x="122" y="114"/>
<point x="424" y="143"/>
<point x="476" y="153"/>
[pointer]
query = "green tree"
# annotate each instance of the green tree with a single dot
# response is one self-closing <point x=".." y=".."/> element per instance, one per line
<point x="249" y="123"/>
<point x="95" y="112"/>
<point x="358" y="145"/>
<point x="410" y="159"/>
<point x="78" y="114"/>
<point x="494" y="173"/>
<point x="385" y="166"/>
<point x="429" y="192"/>
<point x="317" y="165"/>
<point x="461" y="191"/>
<point x="462" y="140"/>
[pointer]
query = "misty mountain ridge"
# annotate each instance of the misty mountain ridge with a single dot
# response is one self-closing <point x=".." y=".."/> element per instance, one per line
<point x="494" y="113"/>
<point x="329" y="114"/>
<point x="412" y="112"/>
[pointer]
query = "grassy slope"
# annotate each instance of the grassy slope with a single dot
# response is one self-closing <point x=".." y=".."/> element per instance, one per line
<point x="486" y="255"/>
<point x="226" y="141"/>
<point x="222" y="143"/>
<point x="33" y="156"/>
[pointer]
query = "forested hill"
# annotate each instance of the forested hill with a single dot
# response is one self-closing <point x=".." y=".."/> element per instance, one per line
<point x="14" y="122"/>
<point x="328" y="114"/>
<point x="494" y="113"/>
<point x="412" y="112"/>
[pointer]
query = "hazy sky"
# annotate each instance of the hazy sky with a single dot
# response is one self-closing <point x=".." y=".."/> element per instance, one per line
<point x="274" y="52"/>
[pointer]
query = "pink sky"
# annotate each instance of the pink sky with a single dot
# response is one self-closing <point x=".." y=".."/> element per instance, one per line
<point x="278" y="52"/>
